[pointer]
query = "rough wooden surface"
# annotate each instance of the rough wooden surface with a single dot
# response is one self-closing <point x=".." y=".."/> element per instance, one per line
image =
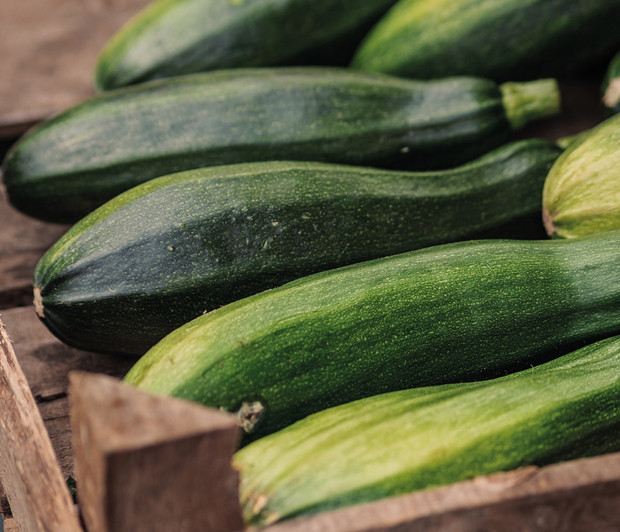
<point x="39" y="497"/>
<point x="23" y="240"/>
<point x="576" y="496"/>
<point x="46" y="362"/>
<point x="48" y="50"/>
<point x="144" y="462"/>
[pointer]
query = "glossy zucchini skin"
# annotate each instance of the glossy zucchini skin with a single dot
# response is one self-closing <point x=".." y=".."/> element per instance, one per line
<point x="611" y="87"/>
<point x="176" y="37"/>
<point x="420" y="438"/>
<point x="75" y="162"/>
<point x="191" y="242"/>
<point x="496" y="39"/>
<point x="582" y="191"/>
<point x="451" y="313"/>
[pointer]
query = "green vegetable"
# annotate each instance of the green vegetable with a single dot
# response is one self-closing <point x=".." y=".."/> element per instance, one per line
<point x="611" y="87"/>
<point x="173" y="37"/>
<point x="582" y="191"/>
<point x="72" y="164"/>
<point x="415" y="439"/>
<point x="457" y="312"/>
<point x="496" y="39"/>
<point x="164" y="252"/>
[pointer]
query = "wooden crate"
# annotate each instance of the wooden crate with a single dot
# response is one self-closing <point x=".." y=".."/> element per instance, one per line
<point x="131" y="448"/>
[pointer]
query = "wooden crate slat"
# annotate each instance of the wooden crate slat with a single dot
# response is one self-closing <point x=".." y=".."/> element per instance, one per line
<point x="31" y="476"/>
<point x="46" y="363"/>
<point x="49" y="49"/>
<point x="144" y="462"/>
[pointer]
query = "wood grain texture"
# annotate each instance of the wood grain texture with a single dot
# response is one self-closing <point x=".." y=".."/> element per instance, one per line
<point x="46" y="363"/>
<point x="10" y="525"/>
<point x="31" y="476"/>
<point x="23" y="240"/>
<point x="48" y="50"/>
<point x="577" y="496"/>
<point x="144" y="462"/>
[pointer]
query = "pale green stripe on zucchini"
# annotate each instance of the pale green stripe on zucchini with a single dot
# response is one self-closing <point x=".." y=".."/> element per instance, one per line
<point x="581" y="195"/>
<point x="415" y="439"/>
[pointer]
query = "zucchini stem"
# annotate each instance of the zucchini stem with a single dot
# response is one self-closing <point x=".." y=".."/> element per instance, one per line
<point x="611" y="97"/>
<point x="548" y="222"/>
<point x="38" y="302"/>
<point x="531" y="100"/>
<point x="249" y="415"/>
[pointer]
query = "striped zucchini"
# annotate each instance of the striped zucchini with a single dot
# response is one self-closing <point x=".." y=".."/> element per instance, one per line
<point x="174" y="37"/>
<point x="582" y="191"/>
<point x="194" y="241"/>
<point x="611" y="87"/>
<point x="451" y="313"/>
<point x="496" y="39"/>
<point x="415" y="439"/>
<point x="75" y="162"/>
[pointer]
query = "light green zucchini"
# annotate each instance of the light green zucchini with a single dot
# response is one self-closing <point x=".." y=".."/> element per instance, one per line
<point x="582" y="191"/>
<point x="416" y="439"/>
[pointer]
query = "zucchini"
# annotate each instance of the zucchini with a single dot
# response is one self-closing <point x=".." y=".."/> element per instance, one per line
<point x="611" y="87"/>
<point x="72" y="164"/>
<point x="495" y="39"/>
<point x="451" y="313"/>
<point x="416" y="439"/>
<point x="175" y="37"/>
<point x="582" y="191"/>
<point x="194" y="241"/>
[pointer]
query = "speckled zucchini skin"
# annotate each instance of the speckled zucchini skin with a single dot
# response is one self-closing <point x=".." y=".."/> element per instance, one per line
<point x="611" y="87"/>
<point x="73" y="163"/>
<point x="415" y="439"/>
<point x="496" y="39"/>
<point x="175" y="37"/>
<point x="582" y="191"/>
<point x="163" y="253"/>
<point x="451" y="313"/>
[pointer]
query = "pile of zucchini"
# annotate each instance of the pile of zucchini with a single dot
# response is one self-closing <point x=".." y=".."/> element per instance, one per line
<point x="317" y="216"/>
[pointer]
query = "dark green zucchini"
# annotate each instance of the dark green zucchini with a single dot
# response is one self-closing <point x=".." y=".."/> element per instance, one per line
<point x="174" y="37"/>
<point x="416" y="439"/>
<point x="611" y="87"/>
<point x="495" y="39"/>
<point x="457" y="312"/>
<point x="75" y="162"/>
<point x="163" y="253"/>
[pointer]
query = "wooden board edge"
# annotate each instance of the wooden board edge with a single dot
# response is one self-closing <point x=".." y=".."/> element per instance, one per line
<point x="31" y="476"/>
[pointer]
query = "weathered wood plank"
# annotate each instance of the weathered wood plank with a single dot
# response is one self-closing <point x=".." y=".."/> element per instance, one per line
<point x="31" y="476"/>
<point x="133" y="451"/>
<point x="46" y="363"/>
<point x="48" y="50"/>
<point x="10" y="525"/>
<point x="23" y="240"/>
